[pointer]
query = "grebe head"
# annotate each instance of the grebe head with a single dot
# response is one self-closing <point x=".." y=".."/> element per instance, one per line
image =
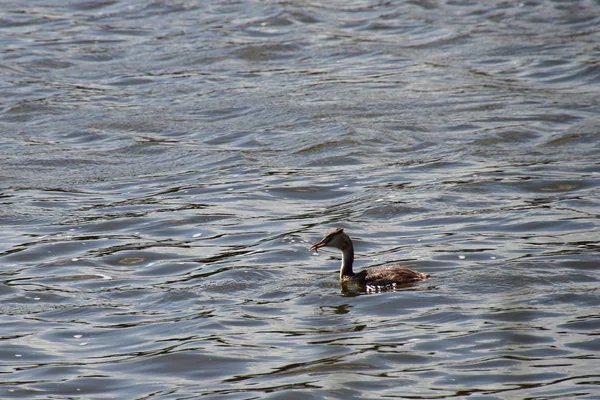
<point x="336" y="238"/>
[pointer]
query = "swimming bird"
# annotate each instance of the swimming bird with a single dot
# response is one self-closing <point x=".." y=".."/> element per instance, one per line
<point x="376" y="277"/>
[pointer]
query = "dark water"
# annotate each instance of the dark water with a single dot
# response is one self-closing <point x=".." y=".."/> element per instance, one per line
<point x="166" y="165"/>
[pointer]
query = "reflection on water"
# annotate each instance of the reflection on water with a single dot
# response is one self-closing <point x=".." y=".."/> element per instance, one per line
<point x="166" y="167"/>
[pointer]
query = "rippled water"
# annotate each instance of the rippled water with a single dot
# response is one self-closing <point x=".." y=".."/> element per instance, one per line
<point x="166" y="166"/>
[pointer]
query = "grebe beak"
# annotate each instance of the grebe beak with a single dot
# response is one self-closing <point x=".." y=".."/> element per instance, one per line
<point x="322" y="243"/>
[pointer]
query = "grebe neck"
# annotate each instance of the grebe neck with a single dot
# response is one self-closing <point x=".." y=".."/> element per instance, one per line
<point x="347" y="260"/>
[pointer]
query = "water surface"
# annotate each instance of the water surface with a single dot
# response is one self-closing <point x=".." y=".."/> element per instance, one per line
<point x="166" y="166"/>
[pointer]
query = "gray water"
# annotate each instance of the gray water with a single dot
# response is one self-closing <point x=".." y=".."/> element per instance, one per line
<point x="166" y="165"/>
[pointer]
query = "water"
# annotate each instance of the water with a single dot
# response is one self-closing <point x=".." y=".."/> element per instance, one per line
<point x="166" y="166"/>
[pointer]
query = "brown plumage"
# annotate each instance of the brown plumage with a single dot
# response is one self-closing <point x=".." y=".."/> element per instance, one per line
<point x="376" y="276"/>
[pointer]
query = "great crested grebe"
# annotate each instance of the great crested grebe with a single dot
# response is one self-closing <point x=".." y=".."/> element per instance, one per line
<point x="388" y="275"/>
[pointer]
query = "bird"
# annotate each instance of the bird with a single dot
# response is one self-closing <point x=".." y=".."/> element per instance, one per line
<point x="373" y="278"/>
